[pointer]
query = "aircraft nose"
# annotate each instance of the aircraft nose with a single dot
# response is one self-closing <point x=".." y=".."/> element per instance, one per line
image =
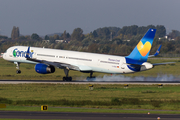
<point x="4" y="56"/>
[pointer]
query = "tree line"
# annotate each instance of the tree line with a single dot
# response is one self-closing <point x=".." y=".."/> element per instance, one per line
<point x="106" y="40"/>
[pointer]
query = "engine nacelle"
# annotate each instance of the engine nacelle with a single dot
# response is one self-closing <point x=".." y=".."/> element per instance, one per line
<point x="44" y="69"/>
<point x="143" y="67"/>
<point x="146" y="66"/>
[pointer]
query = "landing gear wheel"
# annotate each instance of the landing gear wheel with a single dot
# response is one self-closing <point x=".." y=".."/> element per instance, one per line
<point x="67" y="78"/>
<point x="64" y="78"/>
<point x="66" y="71"/>
<point x="18" y="71"/>
<point x="70" y="78"/>
<point x="91" y="78"/>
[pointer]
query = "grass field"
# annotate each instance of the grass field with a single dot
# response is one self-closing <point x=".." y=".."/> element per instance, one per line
<point x="8" y="71"/>
<point x="103" y="96"/>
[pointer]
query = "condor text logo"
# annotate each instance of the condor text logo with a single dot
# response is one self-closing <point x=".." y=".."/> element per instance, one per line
<point x="18" y="53"/>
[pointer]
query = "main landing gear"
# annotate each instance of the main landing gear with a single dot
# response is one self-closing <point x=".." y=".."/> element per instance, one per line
<point x="91" y="77"/>
<point x="18" y="71"/>
<point x="66" y="71"/>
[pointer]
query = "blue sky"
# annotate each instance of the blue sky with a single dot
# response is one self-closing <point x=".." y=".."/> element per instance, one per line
<point x="52" y="16"/>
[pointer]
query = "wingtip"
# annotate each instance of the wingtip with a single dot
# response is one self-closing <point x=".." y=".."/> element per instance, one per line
<point x="158" y="51"/>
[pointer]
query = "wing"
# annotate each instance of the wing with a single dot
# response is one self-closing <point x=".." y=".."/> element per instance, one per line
<point x="155" y="64"/>
<point x="56" y="64"/>
<point x="157" y="52"/>
<point x="59" y="64"/>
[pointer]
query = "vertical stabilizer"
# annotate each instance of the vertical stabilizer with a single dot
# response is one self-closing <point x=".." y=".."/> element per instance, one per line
<point x="141" y="52"/>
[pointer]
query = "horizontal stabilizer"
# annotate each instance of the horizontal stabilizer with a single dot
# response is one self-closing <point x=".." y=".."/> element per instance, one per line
<point x="155" y="64"/>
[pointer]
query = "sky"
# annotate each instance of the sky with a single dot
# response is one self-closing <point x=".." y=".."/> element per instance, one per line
<point x="54" y="16"/>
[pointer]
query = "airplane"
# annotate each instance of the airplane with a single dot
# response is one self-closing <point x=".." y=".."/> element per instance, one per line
<point x="46" y="60"/>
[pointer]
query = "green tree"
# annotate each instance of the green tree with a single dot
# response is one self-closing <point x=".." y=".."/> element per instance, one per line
<point x="15" y="33"/>
<point x="22" y="37"/>
<point x="95" y="34"/>
<point x="64" y="35"/>
<point x="117" y="41"/>
<point x="28" y="37"/>
<point x="46" y="37"/>
<point x="106" y="49"/>
<point x="56" y="37"/>
<point x="77" y="34"/>
<point x="114" y="30"/>
<point x="174" y="34"/>
<point x="35" y="36"/>
<point x="160" y="31"/>
<point x="3" y="37"/>
<point x="103" y="33"/>
<point x="151" y="26"/>
<point x="68" y="35"/>
<point x="178" y="40"/>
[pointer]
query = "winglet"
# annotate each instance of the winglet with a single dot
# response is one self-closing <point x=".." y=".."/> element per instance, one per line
<point x="157" y="52"/>
<point x="27" y="53"/>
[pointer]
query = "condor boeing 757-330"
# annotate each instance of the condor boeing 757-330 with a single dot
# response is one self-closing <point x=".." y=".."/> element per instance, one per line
<point x="47" y="60"/>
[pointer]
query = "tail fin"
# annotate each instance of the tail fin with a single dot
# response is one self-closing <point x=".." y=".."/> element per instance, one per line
<point x="141" y="52"/>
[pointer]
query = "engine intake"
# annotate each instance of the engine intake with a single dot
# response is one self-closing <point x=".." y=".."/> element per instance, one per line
<point x="44" y="69"/>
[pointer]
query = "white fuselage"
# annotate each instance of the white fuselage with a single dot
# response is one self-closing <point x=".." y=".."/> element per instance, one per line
<point x="84" y="60"/>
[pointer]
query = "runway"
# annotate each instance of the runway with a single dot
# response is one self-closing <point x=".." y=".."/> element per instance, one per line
<point x="84" y="116"/>
<point x="87" y="82"/>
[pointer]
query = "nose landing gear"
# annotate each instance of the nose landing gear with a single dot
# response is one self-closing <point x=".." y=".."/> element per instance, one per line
<point x="18" y="71"/>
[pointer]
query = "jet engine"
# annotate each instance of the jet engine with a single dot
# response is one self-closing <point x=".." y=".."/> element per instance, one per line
<point x="146" y="66"/>
<point x="44" y="69"/>
<point x="143" y="67"/>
